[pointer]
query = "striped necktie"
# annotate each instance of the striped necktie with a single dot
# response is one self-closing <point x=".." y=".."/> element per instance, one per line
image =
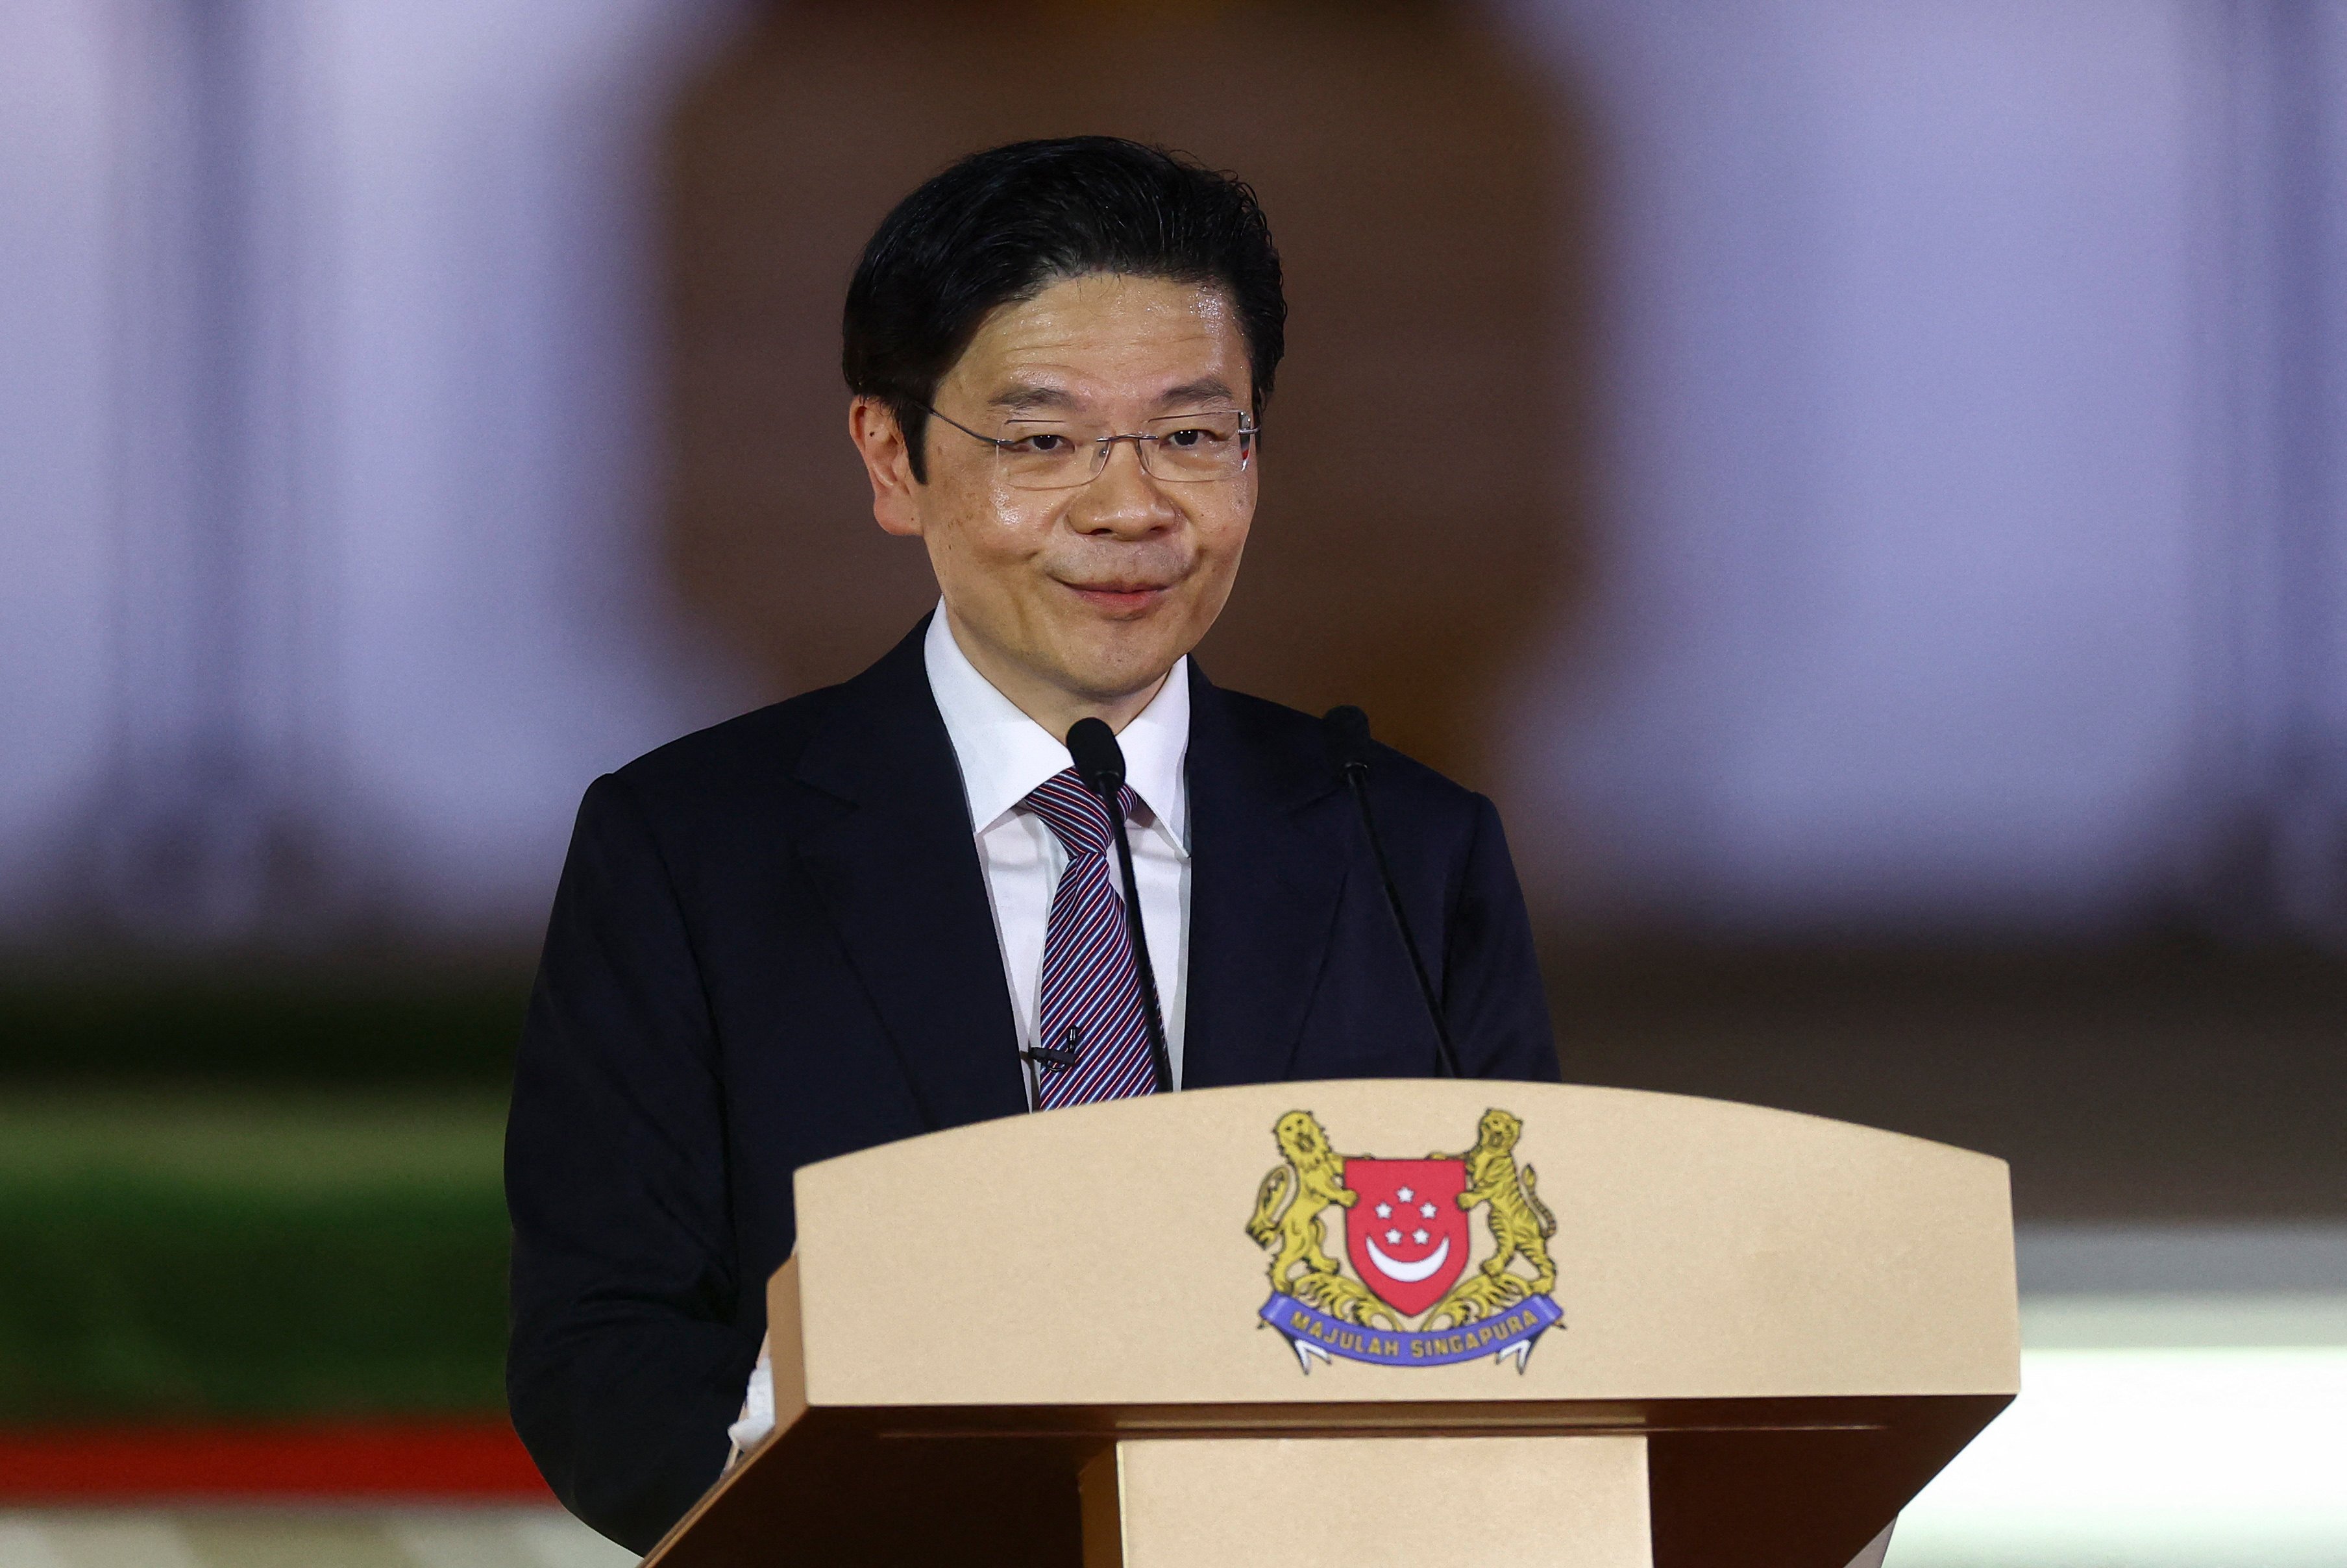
<point x="1089" y="1000"/>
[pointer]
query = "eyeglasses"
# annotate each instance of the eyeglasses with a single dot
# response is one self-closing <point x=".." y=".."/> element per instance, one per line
<point x="1057" y="455"/>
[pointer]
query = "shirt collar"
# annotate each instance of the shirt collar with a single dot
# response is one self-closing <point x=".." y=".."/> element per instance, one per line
<point x="1004" y="755"/>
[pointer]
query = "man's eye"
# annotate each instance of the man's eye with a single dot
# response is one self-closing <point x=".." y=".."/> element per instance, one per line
<point x="1044" y="444"/>
<point x="1186" y="438"/>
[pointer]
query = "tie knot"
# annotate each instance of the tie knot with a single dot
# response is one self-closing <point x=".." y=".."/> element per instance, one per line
<point x="1074" y="815"/>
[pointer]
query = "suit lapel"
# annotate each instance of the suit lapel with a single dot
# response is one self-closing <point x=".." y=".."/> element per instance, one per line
<point x="900" y="880"/>
<point x="1267" y="870"/>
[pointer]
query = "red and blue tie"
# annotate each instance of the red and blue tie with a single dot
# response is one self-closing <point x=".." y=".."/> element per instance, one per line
<point x="1090" y="1001"/>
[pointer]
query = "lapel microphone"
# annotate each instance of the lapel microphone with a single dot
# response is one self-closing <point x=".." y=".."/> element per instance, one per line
<point x="1347" y="731"/>
<point x="1060" y="1058"/>
<point x="1100" y="763"/>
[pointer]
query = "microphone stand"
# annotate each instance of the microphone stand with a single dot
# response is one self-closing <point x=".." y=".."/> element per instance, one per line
<point x="1348" y="734"/>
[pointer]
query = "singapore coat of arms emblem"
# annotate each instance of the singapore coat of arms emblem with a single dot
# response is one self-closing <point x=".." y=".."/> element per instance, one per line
<point x="1410" y="1300"/>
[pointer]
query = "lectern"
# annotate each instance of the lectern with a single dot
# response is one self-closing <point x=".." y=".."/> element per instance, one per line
<point x="1374" y="1322"/>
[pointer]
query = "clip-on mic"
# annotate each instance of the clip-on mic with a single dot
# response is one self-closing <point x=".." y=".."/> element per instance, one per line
<point x="1060" y="1058"/>
<point x="1347" y="730"/>
<point x="1100" y="763"/>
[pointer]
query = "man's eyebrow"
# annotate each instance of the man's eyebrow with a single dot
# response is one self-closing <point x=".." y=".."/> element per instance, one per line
<point x="1204" y="389"/>
<point x="1026" y="399"/>
<point x="1019" y="399"/>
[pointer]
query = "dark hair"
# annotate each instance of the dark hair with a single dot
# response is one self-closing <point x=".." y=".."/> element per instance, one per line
<point x="1002" y="225"/>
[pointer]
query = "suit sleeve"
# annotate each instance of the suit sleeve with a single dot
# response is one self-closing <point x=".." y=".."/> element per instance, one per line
<point x="1492" y="996"/>
<point x="625" y="1363"/>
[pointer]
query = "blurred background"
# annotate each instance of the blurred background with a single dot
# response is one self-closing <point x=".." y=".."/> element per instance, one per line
<point x="1863" y="486"/>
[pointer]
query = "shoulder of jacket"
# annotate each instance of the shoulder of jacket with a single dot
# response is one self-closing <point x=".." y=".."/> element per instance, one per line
<point x="1298" y="739"/>
<point x="750" y="751"/>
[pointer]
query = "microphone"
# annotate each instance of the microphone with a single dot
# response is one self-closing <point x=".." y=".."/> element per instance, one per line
<point x="1347" y="731"/>
<point x="1100" y="763"/>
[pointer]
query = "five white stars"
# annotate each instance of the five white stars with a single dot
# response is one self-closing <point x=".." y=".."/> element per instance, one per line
<point x="1384" y="1212"/>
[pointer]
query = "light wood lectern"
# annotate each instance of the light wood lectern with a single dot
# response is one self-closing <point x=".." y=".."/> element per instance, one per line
<point x="1408" y="1323"/>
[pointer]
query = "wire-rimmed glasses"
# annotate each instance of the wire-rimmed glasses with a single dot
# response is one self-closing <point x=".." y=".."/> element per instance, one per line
<point x="1061" y="454"/>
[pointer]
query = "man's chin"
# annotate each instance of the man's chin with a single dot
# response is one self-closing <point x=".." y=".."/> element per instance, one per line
<point x="1109" y="669"/>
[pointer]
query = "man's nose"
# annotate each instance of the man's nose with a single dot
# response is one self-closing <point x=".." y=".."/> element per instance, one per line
<point x="1123" y="501"/>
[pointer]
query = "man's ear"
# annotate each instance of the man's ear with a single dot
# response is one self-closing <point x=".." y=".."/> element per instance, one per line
<point x="881" y="443"/>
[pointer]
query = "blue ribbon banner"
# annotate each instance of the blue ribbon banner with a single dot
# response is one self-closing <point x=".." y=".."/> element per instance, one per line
<point x="1512" y="1333"/>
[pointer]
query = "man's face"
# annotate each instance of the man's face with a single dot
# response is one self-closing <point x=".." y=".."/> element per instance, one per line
<point x="1074" y="599"/>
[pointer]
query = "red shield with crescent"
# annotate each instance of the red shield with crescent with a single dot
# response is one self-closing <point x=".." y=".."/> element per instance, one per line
<point x="1406" y="1235"/>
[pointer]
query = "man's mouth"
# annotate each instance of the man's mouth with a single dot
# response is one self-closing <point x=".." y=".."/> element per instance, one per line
<point x="1119" y="596"/>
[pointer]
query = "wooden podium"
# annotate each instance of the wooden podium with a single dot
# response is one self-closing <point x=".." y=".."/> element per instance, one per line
<point x="1667" y="1332"/>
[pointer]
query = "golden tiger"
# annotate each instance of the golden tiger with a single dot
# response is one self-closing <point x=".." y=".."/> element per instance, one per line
<point x="1521" y="1225"/>
<point x="1295" y="1236"/>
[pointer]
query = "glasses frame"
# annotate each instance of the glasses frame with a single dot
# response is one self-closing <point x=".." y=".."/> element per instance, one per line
<point x="1105" y="446"/>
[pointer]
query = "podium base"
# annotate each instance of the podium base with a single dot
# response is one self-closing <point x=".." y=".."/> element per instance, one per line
<point x="1368" y="1502"/>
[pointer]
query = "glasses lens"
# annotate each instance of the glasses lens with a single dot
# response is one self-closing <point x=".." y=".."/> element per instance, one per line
<point x="1039" y="455"/>
<point x="1197" y="447"/>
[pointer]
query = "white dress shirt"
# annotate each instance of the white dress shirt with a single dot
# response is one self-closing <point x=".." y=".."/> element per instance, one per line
<point x="1003" y="755"/>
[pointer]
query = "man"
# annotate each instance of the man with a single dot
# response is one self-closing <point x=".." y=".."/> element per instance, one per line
<point x="890" y="907"/>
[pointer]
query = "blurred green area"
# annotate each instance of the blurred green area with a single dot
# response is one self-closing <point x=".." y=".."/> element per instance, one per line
<point x="181" y="1255"/>
<point x="259" y="1024"/>
<point x="224" y="1196"/>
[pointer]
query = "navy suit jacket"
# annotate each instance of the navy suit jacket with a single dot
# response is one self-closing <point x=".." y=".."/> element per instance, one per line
<point x="772" y="944"/>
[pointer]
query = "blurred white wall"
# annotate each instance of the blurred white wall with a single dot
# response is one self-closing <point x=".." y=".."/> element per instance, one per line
<point x="327" y="456"/>
<point x="1955" y="578"/>
<point x="1972" y="556"/>
<point x="55" y="542"/>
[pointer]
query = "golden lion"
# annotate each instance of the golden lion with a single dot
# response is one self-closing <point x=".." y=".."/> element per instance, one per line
<point x="1315" y="1174"/>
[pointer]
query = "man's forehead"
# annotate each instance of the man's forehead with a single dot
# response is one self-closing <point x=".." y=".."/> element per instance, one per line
<point x="1104" y="337"/>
